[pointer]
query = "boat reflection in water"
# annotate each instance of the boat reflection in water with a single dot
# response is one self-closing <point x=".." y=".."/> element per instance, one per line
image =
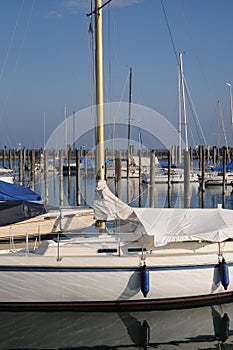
<point x="206" y="327"/>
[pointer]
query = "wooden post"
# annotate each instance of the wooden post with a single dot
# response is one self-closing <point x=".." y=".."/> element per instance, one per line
<point x="33" y="160"/>
<point x="224" y="172"/>
<point x="186" y="179"/>
<point x="118" y="166"/>
<point x="169" y="180"/>
<point x="46" y="176"/>
<point x="152" y="179"/>
<point x="140" y="179"/>
<point x="78" y="196"/>
<point x="69" y="159"/>
<point x="10" y="159"/>
<point x="202" y="159"/>
<point x="54" y="160"/>
<point x="15" y="157"/>
<point x="61" y="197"/>
<point x="29" y="165"/>
<point x="118" y="172"/>
<point x="4" y="157"/>
<point x="20" y="167"/>
<point x="169" y="170"/>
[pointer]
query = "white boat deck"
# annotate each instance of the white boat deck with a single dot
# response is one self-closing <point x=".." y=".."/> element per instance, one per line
<point x="98" y="252"/>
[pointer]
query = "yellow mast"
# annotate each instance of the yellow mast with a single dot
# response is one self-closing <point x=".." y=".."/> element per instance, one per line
<point x="99" y="97"/>
<point x="99" y="90"/>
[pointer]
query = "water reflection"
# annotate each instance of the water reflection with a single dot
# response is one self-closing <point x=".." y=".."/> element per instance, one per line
<point x="134" y="194"/>
<point x="202" y="328"/>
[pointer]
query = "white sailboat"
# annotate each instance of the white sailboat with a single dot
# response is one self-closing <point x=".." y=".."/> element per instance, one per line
<point x="151" y="258"/>
<point x="176" y="176"/>
<point x="6" y="175"/>
<point x="220" y="175"/>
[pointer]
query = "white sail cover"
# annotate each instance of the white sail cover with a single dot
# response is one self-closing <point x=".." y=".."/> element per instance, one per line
<point x="107" y="206"/>
<point x="179" y="225"/>
<point x="167" y="225"/>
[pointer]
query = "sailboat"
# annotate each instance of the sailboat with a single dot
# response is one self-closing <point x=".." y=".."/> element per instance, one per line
<point x="148" y="258"/>
<point x="130" y="166"/>
<point x="220" y="175"/>
<point x="6" y="175"/>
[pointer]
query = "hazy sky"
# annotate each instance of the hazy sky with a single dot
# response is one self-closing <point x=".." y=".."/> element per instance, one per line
<point x="46" y="62"/>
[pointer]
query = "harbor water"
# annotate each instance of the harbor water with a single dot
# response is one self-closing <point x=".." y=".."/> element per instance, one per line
<point x="131" y="192"/>
<point x="198" y="328"/>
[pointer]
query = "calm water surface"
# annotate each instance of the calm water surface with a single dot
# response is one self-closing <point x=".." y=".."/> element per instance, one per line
<point x="199" y="328"/>
<point x="174" y="198"/>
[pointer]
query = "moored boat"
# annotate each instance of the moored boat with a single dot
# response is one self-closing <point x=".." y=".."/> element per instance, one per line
<point x="6" y="175"/>
<point x="145" y="258"/>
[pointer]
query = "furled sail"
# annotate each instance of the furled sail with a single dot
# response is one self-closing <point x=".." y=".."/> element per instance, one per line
<point x="107" y="206"/>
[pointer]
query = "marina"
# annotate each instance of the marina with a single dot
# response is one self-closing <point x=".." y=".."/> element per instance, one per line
<point x="209" y="326"/>
<point x="116" y="234"/>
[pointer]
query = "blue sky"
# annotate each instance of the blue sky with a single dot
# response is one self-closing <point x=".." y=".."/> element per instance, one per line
<point x="45" y="62"/>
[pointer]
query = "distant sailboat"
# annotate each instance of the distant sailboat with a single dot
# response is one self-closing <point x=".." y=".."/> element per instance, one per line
<point x="217" y="175"/>
<point x="6" y="175"/>
<point x="129" y="165"/>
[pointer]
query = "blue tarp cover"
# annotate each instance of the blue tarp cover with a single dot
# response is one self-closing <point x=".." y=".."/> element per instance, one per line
<point x="90" y="163"/>
<point x="15" y="192"/>
<point x="229" y="167"/>
<point x="15" y="211"/>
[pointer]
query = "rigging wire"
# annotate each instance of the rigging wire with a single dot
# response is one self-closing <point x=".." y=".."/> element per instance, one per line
<point x="92" y="57"/>
<point x="109" y="53"/>
<point x="92" y="66"/>
<point x="17" y="59"/>
<point x="109" y="68"/>
<point x="99" y="8"/>
<point x="192" y="108"/>
<point x="12" y="38"/>
<point x="170" y="32"/>
<point x="195" y="117"/>
<point x="224" y="131"/>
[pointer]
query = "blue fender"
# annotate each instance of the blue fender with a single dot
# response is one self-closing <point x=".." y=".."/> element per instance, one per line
<point x="145" y="280"/>
<point x="224" y="273"/>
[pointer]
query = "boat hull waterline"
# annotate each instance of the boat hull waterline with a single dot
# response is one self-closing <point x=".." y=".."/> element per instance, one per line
<point x="83" y="288"/>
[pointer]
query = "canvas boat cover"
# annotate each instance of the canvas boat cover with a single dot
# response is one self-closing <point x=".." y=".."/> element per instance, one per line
<point x="145" y="161"/>
<point x="229" y="167"/>
<point x="167" y="224"/>
<point x="10" y="191"/>
<point x="16" y="211"/>
<point x="179" y="225"/>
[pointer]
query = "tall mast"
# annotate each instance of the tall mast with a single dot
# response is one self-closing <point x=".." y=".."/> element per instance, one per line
<point x="186" y="151"/>
<point x="129" y="130"/>
<point x="184" y="104"/>
<point x="224" y="131"/>
<point x="179" y="160"/>
<point x="129" y="115"/>
<point x="219" y="126"/>
<point x="99" y="89"/>
<point x="231" y="107"/>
